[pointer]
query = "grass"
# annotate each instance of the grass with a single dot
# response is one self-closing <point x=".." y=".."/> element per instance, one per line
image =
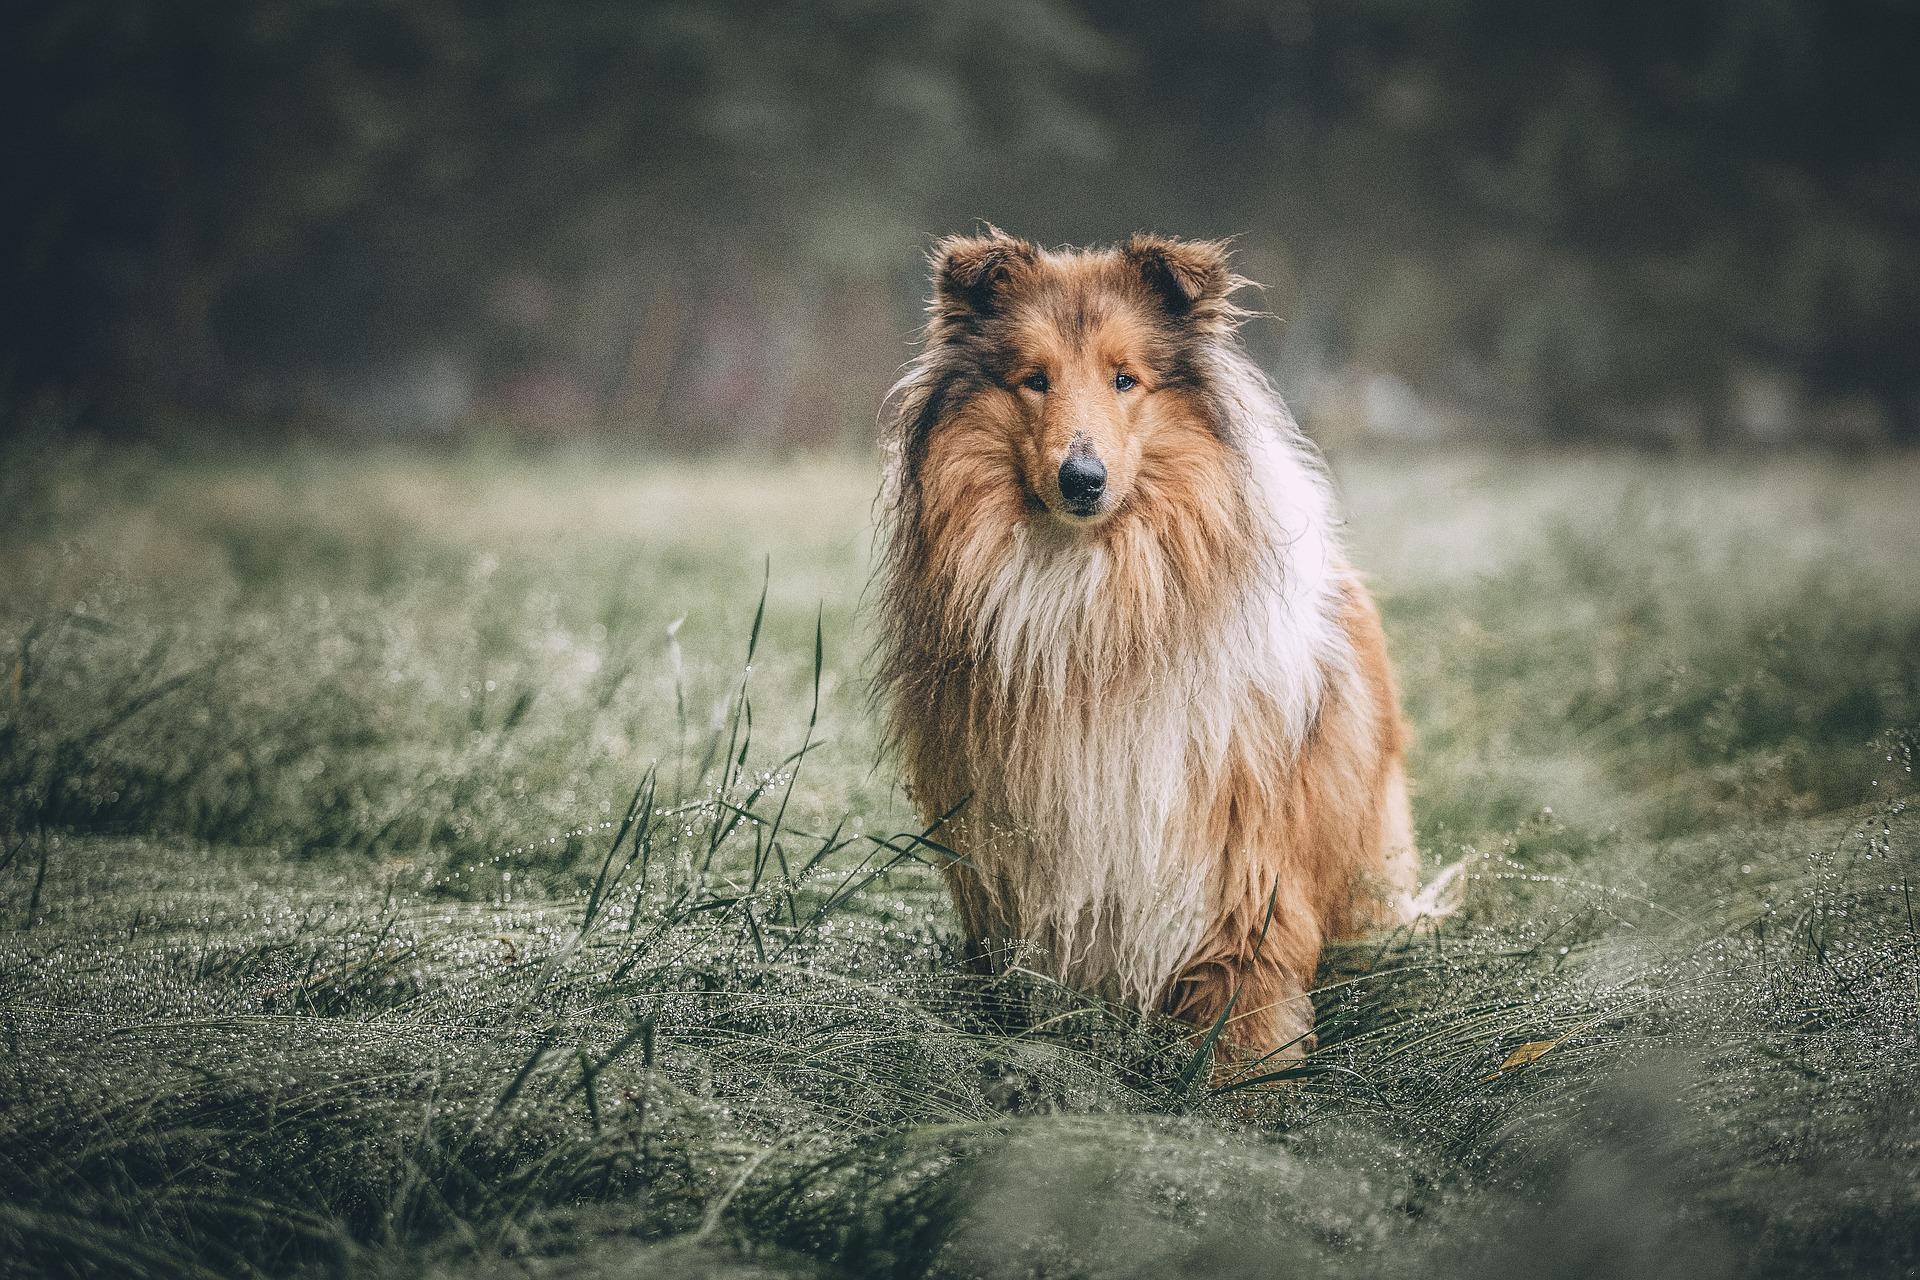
<point x="477" y="864"/>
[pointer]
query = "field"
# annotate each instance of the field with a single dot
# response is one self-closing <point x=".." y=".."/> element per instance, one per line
<point x="478" y="863"/>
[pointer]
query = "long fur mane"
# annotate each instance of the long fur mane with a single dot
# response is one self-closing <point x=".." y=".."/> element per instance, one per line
<point x="1080" y="701"/>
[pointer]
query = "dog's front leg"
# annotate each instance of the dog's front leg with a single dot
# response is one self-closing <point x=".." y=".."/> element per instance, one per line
<point x="1259" y="979"/>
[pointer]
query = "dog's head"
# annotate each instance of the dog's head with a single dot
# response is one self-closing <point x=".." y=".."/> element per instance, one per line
<point x="1085" y="364"/>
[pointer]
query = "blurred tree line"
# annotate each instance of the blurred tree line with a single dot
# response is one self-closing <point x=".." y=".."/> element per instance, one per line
<point x="1688" y="221"/>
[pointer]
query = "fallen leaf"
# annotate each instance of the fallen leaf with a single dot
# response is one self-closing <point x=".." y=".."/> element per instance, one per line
<point x="1530" y="1052"/>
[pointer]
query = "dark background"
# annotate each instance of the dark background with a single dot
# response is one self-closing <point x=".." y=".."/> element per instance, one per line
<point x="1676" y="222"/>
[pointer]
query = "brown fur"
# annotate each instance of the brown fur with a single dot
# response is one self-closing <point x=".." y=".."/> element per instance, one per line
<point x="1289" y="787"/>
<point x="1332" y="830"/>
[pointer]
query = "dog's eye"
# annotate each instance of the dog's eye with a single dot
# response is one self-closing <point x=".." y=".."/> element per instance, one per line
<point x="1124" y="382"/>
<point x="1036" y="382"/>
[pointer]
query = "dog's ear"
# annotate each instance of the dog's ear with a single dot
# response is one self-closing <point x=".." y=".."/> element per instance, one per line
<point x="1191" y="277"/>
<point x="968" y="271"/>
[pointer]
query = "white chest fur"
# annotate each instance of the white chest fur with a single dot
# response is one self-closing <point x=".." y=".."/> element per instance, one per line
<point x="1088" y="814"/>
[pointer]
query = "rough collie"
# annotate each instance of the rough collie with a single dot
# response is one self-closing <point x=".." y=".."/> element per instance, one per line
<point x="1122" y="652"/>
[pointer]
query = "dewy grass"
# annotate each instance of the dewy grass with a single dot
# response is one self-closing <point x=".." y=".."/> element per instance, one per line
<point x="400" y="873"/>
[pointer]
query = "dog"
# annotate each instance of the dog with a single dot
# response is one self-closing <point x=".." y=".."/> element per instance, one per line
<point x="1122" y="654"/>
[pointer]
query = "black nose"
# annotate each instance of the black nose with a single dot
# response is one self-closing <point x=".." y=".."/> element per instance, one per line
<point x="1082" y="479"/>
